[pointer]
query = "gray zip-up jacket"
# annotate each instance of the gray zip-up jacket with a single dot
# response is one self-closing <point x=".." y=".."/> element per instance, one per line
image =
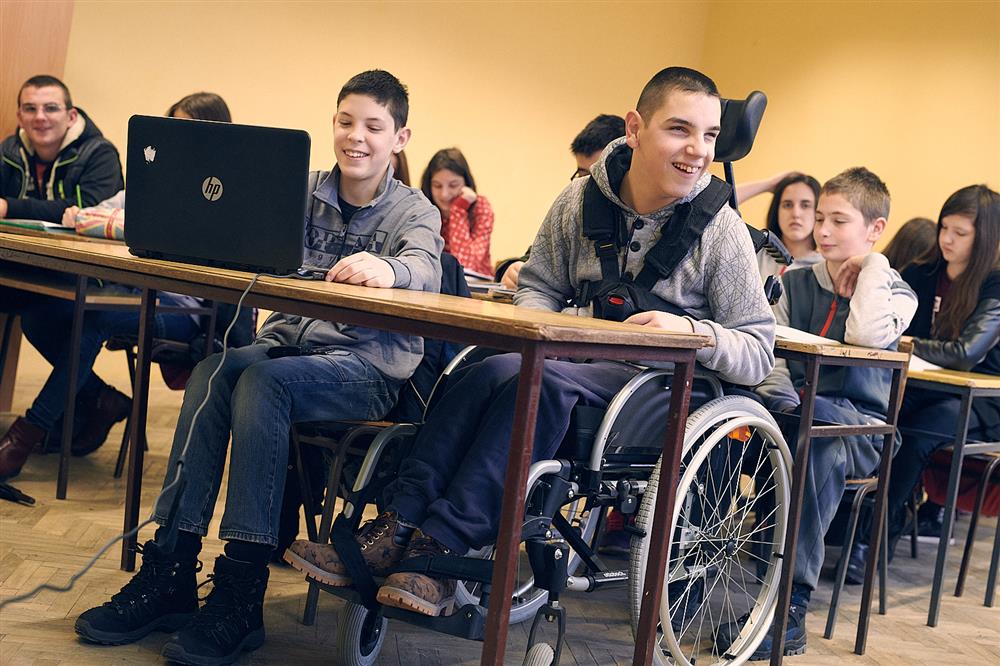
<point x="717" y="281"/>
<point x="875" y="316"/>
<point x="401" y="226"/>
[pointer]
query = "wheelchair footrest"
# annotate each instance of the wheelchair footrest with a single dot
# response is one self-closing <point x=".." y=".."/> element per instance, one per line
<point x="468" y="622"/>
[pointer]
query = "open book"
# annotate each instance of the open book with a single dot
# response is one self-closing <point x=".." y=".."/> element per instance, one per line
<point x="795" y="335"/>
<point x="917" y="364"/>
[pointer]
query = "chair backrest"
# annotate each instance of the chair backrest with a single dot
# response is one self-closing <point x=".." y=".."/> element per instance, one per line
<point x="740" y="121"/>
<point x="415" y="395"/>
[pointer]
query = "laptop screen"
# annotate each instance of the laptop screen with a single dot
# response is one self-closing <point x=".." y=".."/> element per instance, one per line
<point x="217" y="194"/>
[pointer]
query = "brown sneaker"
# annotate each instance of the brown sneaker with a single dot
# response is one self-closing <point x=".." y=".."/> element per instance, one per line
<point x="417" y="592"/>
<point x="382" y="540"/>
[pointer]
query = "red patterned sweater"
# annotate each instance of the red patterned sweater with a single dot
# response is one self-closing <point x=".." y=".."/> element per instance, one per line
<point x="469" y="240"/>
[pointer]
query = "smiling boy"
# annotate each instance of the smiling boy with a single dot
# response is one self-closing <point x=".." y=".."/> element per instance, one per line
<point x="852" y="296"/>
<point x="369" y="229"/>
<point x="58" y="158"/>
<point x="447" y="496"/>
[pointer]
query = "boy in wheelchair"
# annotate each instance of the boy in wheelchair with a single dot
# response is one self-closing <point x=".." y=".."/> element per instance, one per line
<point x="447" y="496"/>
<point x="852" y="296"/>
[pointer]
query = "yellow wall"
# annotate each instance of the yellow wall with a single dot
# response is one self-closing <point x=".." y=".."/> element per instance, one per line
<point x="510" y="84"/>
<point x="911" y="90"/>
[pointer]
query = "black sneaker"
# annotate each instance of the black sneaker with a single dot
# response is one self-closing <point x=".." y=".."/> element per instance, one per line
<point x="230" y="622"/>
<point x="162" y="596"/>
<point x="795" y="635"/>
<point x="684" y="597"/>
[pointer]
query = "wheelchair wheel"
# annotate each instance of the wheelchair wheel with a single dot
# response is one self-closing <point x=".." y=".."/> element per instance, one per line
<point x="527" y="599"/>
<point x="727" y="536"/>
<point x="540" y="654"/>
<point x="360" y="634"/>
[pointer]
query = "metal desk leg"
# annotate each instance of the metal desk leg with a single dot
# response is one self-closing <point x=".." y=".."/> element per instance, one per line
<point x="877" y="528"/>
<point x="800" y="464"/>
<point x="10" y="347"/>
<point x="659" y="535"/>
<point x="957" y="457"/>
<point x="69" y="412"/>
<point x="140" y="398"/>
<point x="991" y="581"/>
<point x="512" y="514"/>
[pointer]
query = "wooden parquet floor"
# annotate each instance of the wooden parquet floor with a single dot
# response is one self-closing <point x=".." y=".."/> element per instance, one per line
<point x="51" y="540"/>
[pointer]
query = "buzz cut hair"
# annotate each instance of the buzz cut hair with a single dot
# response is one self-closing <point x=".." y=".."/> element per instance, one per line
<point x="668" y="80"/>
<point x="863" y="189"/>
<point x="385" y="89"/>
<point x="44" y="81"/>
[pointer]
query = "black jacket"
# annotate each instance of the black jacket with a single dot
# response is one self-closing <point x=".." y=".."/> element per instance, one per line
<point x="975" y="349"/>
<point x="87" y="160"/>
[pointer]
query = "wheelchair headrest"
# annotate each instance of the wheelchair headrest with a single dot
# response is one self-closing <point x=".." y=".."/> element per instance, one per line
<point x="740" y="121"/>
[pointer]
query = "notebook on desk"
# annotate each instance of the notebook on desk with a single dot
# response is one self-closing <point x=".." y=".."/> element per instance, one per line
<point x="216" y="194"/>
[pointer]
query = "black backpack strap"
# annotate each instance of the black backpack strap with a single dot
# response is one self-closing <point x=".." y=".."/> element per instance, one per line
<point x="686" y="226"/>
<point x="602" y="223"/>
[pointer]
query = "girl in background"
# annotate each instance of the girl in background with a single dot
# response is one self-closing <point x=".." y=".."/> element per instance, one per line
<point x="912" y="243"/>
<point x="466" y="217"/>
<point x="791" y="217"/>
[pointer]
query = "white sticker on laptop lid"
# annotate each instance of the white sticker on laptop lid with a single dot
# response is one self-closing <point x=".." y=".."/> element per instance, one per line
<point x="149" y="153"/>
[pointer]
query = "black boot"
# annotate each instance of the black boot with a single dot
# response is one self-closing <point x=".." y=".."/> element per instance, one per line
<point x="162" y="596"/>
<point x="231" y="621"/>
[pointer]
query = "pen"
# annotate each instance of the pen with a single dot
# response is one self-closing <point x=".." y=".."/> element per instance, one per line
<point x="79" y="199"/>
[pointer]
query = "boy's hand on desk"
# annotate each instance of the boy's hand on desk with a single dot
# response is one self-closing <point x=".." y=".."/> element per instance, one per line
<point x="847" y="277"/>
<point x="662" y="320"/>
<point x="364" y="269"/>
<point x="69" y="217"/>
<point x="509" y="277"/>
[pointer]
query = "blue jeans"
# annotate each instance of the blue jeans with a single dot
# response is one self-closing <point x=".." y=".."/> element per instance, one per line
<point x="46" y="324"/>
<point x="256" y="399"/>
<point x="832" y="460"/>
<point x="452" y="483"/>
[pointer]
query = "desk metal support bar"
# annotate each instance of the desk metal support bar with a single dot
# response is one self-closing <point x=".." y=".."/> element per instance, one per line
<point x="802" y="446"/>
<point x="504" y="581"/>
<point x="69" y="412"/>
<point x="140" y="398"/>
<point x="881" y="500"/>
<point x="659" y="538"/>
<point x="957" y="457"/>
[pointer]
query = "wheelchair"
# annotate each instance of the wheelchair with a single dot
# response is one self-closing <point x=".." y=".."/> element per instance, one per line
<point x="728" y="528"/>
<point x="728" y="525"/>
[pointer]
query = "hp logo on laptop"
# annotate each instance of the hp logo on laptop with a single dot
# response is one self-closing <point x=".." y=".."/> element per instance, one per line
<point x="211" y="188"/>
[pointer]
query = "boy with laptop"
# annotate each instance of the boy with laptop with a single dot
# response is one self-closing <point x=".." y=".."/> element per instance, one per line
<point x="369" y="229"/>
<point x="851" y="296"/>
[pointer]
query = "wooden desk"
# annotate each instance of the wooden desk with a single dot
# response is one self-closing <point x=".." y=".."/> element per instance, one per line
<point x="967" y="386"/>
<point x="814" y="356"/>
<point x="534" y="334"/>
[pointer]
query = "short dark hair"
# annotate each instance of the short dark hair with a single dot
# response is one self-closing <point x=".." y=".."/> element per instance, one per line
<point x="451" y="159"/>
<point x="863" y="189"/>
<point x="598" y="133"/>
<point x="44" y="81"/>
<point x="667" y="80"/>
<point x="384" y="88"/>
<point x="779" y="190"/>
<point x="202" y="106"/>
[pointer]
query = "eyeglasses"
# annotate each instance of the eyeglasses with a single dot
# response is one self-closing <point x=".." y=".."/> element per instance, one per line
<point x="47" y="109"/>
<point x="579" y="173"/>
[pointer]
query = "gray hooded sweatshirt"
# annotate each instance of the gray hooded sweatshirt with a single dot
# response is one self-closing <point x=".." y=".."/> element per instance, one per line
<point x="401" y="226"/>
<point x="717" y="282"/>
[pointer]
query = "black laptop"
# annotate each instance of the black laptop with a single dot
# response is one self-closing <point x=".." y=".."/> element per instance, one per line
<point x="216" y="194"/>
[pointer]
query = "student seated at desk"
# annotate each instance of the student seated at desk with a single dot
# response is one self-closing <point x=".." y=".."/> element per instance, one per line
<point x="447" y="497"/>
<point x="957" y="326"/>
<point x="369" y="229"/>
<point x="586" y="147"/>
<point x="790" y="217"/>
<point x="466" y="215"/>
<point x="45" y="322"/>
<point x="57" y="157"/>
<point x="855" y="297"/>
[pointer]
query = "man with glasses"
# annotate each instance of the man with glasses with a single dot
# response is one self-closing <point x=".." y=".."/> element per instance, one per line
<point x="57" y="158"/>
<point x="586" y="148"/>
